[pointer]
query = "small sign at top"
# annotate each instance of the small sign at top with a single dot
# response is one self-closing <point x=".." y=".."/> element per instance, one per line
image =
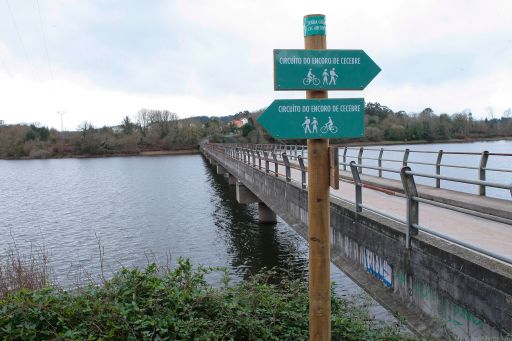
<point x="314" y="25"/>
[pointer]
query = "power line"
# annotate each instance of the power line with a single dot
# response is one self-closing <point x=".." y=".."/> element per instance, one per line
<point x="45" y="45"/>
<point x="17" y="30"/>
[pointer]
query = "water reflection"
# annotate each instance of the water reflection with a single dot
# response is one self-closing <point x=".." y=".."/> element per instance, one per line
<point x="251" y="244"/>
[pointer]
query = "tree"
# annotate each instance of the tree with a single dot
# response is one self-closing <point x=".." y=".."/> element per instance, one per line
<point x="85" y="128"/>
<point x="143" y="121"/>
<point x="375" y="109"/>
<point x="127" y="125"/>
<point x="247" y="128"/>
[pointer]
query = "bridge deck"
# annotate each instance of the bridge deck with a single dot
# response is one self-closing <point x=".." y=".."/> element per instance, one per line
<point x="483" y="204"/>
<point x="489" y="235"/>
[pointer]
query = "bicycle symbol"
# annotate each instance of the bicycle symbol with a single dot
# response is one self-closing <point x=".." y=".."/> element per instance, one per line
<point x="326" y="128"/>
<point x="313" y="79"/>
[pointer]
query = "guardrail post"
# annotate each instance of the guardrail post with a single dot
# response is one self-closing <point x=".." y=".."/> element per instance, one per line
<point x="438" y="167"/>
<point x="412" y="208"/>
<point x="267" y="164"/>
<point x="244" y="155"/>
<point x="406" y="157"/>
<point x="276" y="165"/>
<point x="287" y="167"/>
<point x="360" y="160"/>
<point x="358" y="184"/>
<point x="295" y="152"/>
<point x="259" y="159"/>
<point x="379" y="162"/>
<point x="302" y="171"/>
<point x="253" y="159"/>
<point x="302" y="151"/>
<point x="334" y="168"/>
<point x="481" y="171"/>
<point x="345" y="159"/>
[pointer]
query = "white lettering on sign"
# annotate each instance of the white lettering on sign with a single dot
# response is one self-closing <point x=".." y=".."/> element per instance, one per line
<point x="289" y="108"/>
<point x="319" y="60"/>
<point x="290" y="60"/>
<point x="320" y="108"/>
<point x="350" y="60"/>
<point x="335" y="108"/>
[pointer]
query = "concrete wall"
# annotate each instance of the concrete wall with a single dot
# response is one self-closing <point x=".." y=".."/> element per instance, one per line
<point x="439" y="288"/>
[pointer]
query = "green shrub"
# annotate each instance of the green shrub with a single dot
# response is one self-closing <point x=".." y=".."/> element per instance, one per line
<point x="178" y="305"/>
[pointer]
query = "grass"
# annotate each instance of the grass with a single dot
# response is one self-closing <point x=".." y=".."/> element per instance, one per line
<point x="27" y="270"/>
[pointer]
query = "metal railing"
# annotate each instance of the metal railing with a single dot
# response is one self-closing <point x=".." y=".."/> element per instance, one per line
<point x="482" y="159"/>
<point x="254" y="157"/>
<point x="482" y="169"/>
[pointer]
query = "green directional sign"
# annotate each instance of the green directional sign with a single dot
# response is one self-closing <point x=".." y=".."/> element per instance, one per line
<point x="323" y="69"/>
<point x="314" y="118"/>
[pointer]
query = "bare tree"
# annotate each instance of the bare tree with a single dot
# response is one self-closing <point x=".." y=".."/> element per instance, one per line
<point x="143" y="121"/>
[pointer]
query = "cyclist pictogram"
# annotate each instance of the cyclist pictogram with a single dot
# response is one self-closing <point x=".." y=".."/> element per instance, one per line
<point x="311" y="79"/>
<point x="329" y="127"/>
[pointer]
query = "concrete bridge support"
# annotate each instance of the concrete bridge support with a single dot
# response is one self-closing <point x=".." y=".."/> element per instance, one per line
<point x="266" y="215"/>
<point x="245" y="196"/>
<point x="231" y="180"/>
<point x="221" y="170"/>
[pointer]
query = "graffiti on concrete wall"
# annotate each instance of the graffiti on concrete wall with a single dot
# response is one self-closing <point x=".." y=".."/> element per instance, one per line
<point x="378" y="267"/>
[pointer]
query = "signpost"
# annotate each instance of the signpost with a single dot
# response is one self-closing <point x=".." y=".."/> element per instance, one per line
<point x="314" y="119"/>
<point x="317" y="119"/>
<point x="323" y="69"/>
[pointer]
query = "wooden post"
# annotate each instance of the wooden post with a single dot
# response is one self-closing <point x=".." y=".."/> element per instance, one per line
<point x="318" y="220"/>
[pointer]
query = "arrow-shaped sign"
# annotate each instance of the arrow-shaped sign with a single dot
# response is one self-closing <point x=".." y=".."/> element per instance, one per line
<point x="314" y="118"/>
<point x="323" y="69"/>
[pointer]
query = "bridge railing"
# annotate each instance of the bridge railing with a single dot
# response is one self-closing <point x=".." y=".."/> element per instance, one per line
<point x="273" y="162"/>
<point x="389" y="160"/>
<point x="480" y="160"/>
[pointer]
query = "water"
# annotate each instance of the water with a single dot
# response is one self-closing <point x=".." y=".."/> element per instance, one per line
<point x="498" y="162"/>
<point x="140" y="209"/>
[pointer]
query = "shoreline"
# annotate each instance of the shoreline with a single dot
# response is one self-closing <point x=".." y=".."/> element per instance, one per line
<point x="188" y="151"/>
<point x="195" y="150"/>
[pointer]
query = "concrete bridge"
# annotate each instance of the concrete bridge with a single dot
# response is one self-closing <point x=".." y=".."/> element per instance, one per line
<point x="440" y="259"/>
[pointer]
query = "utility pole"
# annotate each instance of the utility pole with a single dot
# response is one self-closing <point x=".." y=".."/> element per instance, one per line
<point x="61" y="113"/>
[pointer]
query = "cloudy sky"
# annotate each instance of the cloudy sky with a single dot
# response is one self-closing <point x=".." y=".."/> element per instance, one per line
<point x="101" y="60"/>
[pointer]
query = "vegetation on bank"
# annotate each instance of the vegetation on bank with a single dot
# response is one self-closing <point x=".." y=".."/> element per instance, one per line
<point x="177" y="305"/>
<point x="161" y="130"/>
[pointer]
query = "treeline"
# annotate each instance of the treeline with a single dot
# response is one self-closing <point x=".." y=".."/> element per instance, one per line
<point x="383" y="123"/>
<point x="149" y="130"/>
<point x="157" y="130"/>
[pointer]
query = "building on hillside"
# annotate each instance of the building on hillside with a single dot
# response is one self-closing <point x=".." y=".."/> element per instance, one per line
<point x="237" y="123"/>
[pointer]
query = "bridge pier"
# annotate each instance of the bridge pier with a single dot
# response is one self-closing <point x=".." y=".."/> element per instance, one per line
<point x="231" y="180"/>
<point x="221" y="170"/>
<point x="244" y="195"/>
<point x="266" y="215"/>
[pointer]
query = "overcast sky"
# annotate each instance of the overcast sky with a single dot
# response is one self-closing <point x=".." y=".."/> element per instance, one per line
<point x="101" y="60"/>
